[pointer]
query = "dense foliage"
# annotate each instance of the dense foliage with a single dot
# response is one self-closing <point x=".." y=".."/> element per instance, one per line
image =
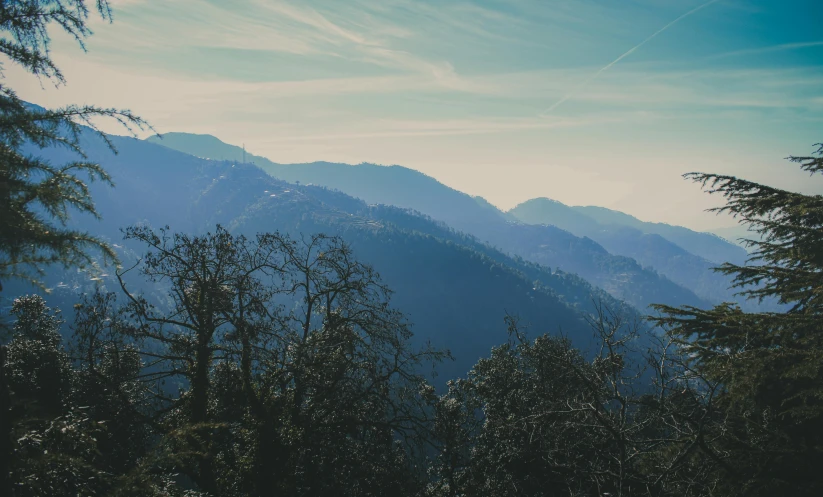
<point x="36" y="197"/>
<point x="769" y="364"/>
<point x="268" y="364"/>
<point x="276" y="364"/>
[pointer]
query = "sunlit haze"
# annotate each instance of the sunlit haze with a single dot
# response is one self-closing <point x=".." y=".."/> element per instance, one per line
<point x="586" y="102"/>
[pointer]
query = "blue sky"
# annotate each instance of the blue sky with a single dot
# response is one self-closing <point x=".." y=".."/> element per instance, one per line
<point x="504" y="99"/>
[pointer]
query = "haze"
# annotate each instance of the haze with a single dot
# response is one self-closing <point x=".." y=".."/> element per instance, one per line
<point x="497" y="99"/>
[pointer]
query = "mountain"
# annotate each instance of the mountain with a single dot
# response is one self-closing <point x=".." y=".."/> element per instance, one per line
<point x="621" y="276"/>
<point x="455" y="289"/>
<point x="706" y="245"/>
<point x="390" y="185"/>
<point x="204" y="146"/>
<point x="547" y="211"/>
<point x="736" y="233"/>
<point x="649" y="249"/>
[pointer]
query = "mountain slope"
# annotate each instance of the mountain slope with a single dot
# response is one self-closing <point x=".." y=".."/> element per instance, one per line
<point x="454" y="289"/>
<point x="391" y="185"/>
<point x="403" y="187"/>
<point x="706" y="245"/>
<point x="736" y="234"/>
<point x="649" y="249"/>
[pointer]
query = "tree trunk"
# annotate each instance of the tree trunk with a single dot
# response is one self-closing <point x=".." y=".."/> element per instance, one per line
<point x="200" y="384"/>
<point x="269" y="474"/>
<point x="5" y="428"/>
<point x="199" y="415"/>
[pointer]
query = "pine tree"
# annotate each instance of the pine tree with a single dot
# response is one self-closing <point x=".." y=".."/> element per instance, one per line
<point x="769" y="364"/>
<point x="36" y="197"/>
<point x="53" y="444"/>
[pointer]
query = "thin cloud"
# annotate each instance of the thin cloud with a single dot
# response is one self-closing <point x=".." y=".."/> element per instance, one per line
<point x="416" y="128"/>
<point x="675" y="90"/>
<point x="269" y="26"/>
<point x="626" y="54"/>
<point x="772" y="48"/>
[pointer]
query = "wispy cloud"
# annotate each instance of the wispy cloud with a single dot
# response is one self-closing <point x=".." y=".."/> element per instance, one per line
<point x="639" y="86"/>
<point x="278" y="26"/>
<point x="455" y="85"/>
<point x="385" y="128"/>
<point x="772" y="48"/>
<point x="625" y="54"/>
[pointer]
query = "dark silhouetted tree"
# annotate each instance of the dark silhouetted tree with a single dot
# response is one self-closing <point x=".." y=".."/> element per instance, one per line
<point x="54" y="448"/>
<point x="36" y="197"/>
<point x="296" y="375"/>
<point x="769" y="365"/>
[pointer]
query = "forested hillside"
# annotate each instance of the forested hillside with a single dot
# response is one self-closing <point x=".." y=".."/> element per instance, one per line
<point x="706" y="245"/>
<point x="434" y="271"/>
<point x="650" y="244"/>
<point x="623" y="277"/>
<point x="187" y="324"/>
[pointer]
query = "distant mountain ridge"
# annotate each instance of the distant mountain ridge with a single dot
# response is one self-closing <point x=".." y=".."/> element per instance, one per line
<point x="399" y="186"/>
<point x="736" y="234"/>
<point x="706" y="245"/>
<point x="375" y="184"/>
<point x="455" y="289"/>
<point x="622" y="234"/>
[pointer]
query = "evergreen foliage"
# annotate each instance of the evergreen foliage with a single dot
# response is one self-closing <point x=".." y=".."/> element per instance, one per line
<point x="770" y="365"/>
<point x="37" y="197"/>
<point x="270" y="364"/>
<point x="277" y="364"/>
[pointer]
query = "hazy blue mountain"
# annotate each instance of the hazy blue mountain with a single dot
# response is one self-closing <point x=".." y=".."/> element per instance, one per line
<point x="485" y="204"/>
<point x="455" y="289"/>
<point x="623" y="277"/>
<point x="624" y="238"/>
<point x="706" y="245"/>
<point x="375" y="184"/>
<point x="203" y="146"/>
<point x="547" y="211"/>
<point x="735" y="234"/>
<point x="650" y="249"/>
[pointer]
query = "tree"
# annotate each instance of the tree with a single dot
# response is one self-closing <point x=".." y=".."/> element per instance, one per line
<point x="295" y="373"/>
<point x="36" y="197"/>
<point x="539" y="418"/>
<point x="769" y="365"/>
<point x="341" y="374"/>
<point x="107" y="381"/>
<point x="536" y="418"/>
<point x="211" y="277"/>
<point x="76" y="431"/>
<point x="54" y="443"/>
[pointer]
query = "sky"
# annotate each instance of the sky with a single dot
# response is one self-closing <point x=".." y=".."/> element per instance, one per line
<point x="589" y="102"/>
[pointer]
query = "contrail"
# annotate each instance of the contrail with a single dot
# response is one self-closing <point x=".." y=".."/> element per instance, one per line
<point x="629" y="52"/>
